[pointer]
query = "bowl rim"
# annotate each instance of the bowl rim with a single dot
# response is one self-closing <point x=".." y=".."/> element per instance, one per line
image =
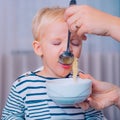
<point x="65" y="80"/>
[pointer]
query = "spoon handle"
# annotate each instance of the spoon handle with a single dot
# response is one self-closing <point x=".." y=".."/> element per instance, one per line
<point x="73" y="2"/>
<point x="68" y="43"/>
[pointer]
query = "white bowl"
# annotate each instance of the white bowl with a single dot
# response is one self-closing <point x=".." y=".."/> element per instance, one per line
<point x="69" y="91"/>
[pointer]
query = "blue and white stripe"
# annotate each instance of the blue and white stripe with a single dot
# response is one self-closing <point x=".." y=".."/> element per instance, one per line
<point x="28" y="100"/>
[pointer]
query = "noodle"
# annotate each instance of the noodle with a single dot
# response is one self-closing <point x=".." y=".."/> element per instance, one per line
<point x="75" y="68"/>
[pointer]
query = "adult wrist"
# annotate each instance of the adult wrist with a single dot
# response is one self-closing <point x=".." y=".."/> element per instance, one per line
<point x="115" y="28"/>
<point x="117" y="101"/>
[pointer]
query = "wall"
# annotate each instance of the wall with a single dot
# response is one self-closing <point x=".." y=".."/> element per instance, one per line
<point x="100" y="56"/>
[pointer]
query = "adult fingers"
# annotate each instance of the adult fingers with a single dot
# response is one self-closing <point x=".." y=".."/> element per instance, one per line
<point x="72" y="19"/>
<point x="83" y="105"/>
<point x="96" y="104"/>
<point x="75" y="26"/>
<point x="70" y="11"/>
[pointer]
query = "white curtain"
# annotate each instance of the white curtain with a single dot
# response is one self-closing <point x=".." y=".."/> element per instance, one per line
<point x="100" y="56"/>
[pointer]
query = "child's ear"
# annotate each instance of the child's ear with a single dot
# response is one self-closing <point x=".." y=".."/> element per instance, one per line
<point x="37" y="47"/>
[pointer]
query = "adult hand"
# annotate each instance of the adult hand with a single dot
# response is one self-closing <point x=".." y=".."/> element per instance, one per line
<point x="103" y="94"/>
<point x="88" y="20"/>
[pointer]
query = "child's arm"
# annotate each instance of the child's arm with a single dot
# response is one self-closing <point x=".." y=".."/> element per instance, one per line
<point x="14" y="108"/>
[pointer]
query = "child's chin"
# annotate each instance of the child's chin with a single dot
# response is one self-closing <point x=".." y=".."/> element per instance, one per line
<point x="64" y="75"/>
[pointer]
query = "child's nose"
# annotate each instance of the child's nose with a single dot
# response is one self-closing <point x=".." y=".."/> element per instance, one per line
<point x="70" y="48"/>
<point x="64" y="48"/>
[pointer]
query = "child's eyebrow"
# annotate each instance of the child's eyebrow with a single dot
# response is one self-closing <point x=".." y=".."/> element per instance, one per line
<point x="60" y="37"/>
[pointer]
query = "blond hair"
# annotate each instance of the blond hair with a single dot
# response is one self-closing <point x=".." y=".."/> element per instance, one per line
<point x="44" y="17"/>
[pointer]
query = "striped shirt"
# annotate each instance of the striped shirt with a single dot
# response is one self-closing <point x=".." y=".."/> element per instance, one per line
<point x="28" y="100"/>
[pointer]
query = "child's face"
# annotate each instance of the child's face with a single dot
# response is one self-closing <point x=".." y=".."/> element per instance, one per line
<point x="52" y="44"/>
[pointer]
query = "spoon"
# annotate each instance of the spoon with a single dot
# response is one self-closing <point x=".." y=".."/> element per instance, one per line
<point x="67" y="57"/>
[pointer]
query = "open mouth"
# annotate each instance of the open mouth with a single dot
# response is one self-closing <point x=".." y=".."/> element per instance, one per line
<point x="66" y="66"/>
